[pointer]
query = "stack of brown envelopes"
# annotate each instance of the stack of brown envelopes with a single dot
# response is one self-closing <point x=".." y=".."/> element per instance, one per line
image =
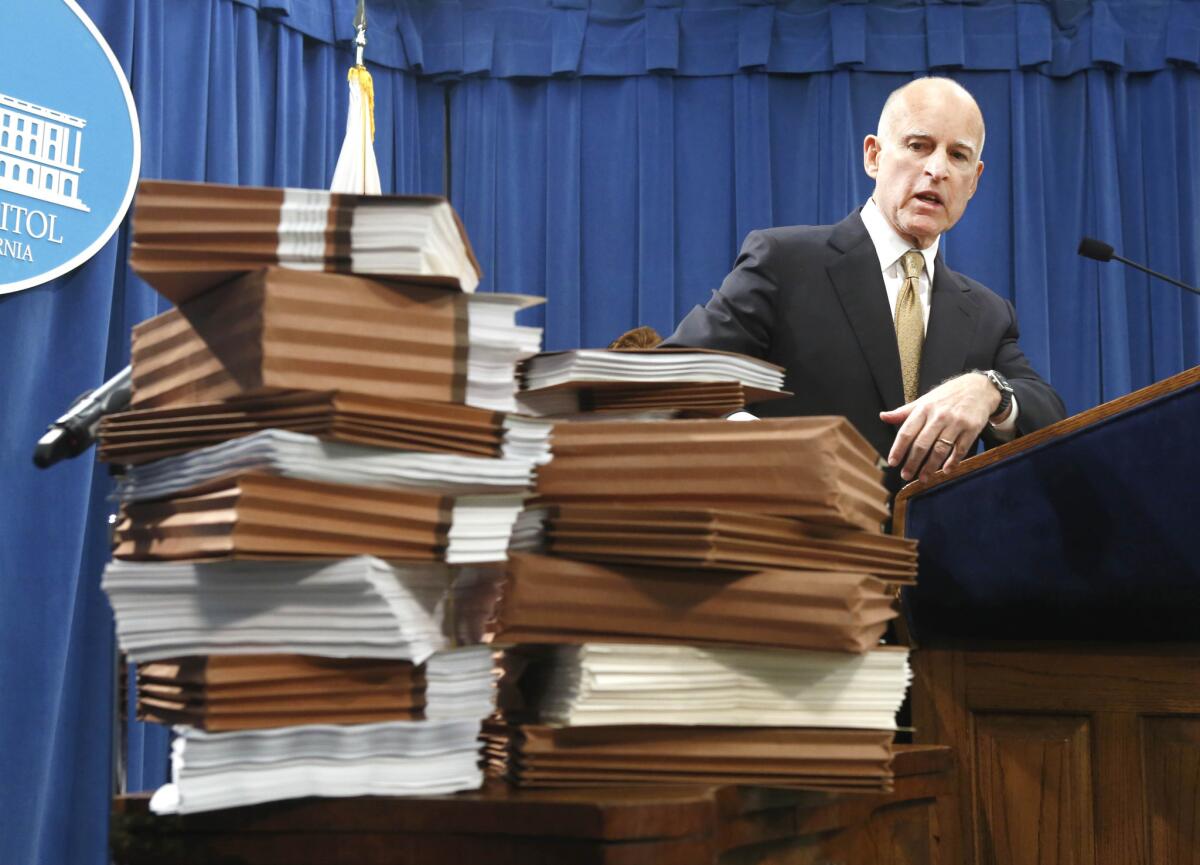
<point x="726" y="540"/>
<point x="277" y="330"/>
<point x="142" y="435"/>
<point x="818" y="469"/>
<point x="558" y="600"/>
<point x="808" y="758"/>
<point x="259" y="515"/>
<point x="248" y="692"/>
<point x="241" y="692"/>
<point x="189" y="237"/>
<point x="582" y="400"/>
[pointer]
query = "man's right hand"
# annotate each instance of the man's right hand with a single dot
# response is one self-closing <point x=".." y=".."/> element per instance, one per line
<point x="938" y="428"/>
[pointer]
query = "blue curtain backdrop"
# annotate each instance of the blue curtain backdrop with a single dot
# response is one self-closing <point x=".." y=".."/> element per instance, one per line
<point x="609" y="155"/>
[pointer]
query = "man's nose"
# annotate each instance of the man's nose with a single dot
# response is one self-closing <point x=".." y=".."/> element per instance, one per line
<point x="937" y="165"/>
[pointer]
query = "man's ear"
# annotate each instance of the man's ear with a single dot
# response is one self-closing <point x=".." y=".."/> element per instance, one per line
<point x="871" y="156"/>
<point x="975" y="179"/>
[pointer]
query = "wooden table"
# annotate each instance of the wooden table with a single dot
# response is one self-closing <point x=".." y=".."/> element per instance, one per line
<point x="502" y="826"/>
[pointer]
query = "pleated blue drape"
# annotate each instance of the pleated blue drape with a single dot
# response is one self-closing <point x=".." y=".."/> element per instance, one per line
<point x="609" y="155"/>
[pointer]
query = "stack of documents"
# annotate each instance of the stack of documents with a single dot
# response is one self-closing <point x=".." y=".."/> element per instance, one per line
<point x="698" y="601"/>
<point x="590" y="384"/>
<point x="188" y="237"/>
<point x="819" y="469"/>
<point x="613" y="713"/>
<point x="395" y="758"/>
<point x="319" y="479"/>
<point x="606" y="684"/>
<point x="651" y="365"/>
<point x="558" y="600"/>
<point x="664" y="712"/>
<point x="143" y="435"/>
<point x="359" y="607"/>
<point x="305" y="457"/>
<point x="276" y="330"/>
<point x="249" y="692"/>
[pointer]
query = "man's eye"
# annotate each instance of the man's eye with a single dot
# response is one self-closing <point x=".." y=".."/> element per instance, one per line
<point x="961" y="157"/>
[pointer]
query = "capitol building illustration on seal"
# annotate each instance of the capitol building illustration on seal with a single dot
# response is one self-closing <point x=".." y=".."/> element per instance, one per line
<point x="39" y="152"/>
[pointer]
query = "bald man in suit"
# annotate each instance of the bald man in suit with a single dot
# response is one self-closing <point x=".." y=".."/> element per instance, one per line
<point x="922" y="360"/>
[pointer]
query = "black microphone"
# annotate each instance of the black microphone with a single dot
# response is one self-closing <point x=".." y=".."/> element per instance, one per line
<point x="75" y="431"/>
<point x="1089" y="247"/>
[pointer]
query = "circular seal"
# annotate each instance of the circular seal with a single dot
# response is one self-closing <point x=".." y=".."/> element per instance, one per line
<point x="70" y="145"/>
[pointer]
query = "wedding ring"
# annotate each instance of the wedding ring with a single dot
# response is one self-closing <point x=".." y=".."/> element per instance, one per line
<point x="946" y="442"/>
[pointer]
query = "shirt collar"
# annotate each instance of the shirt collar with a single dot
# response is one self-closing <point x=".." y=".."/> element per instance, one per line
<point x="889" y="245"/>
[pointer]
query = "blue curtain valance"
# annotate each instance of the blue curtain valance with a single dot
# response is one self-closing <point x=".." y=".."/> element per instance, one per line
<point x="547" y="38"/>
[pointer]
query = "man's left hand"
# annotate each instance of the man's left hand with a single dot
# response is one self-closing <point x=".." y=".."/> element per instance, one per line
<point x="937" y="429"/>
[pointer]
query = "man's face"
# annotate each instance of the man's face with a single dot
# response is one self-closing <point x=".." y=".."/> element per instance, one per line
<point x="925" y="161"/>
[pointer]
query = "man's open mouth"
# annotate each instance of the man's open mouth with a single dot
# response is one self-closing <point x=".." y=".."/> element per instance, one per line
<point x="929" y="198"/>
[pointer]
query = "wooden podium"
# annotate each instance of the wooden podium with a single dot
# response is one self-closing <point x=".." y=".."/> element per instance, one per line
<point x="1057" y="619"/>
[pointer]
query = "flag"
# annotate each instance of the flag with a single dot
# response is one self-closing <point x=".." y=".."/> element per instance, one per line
<point x="356" y="169"/>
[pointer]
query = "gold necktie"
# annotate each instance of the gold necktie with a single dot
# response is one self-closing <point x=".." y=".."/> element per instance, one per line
<point x="910" y="324"/>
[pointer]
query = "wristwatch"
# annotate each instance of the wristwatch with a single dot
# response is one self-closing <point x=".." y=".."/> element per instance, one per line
<point x="1006" y="392"/>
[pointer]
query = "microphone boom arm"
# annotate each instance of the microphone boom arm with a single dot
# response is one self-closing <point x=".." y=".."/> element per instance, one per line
<point x="1161" y="276"/>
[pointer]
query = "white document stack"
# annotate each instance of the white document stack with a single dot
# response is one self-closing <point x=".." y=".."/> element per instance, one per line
<point x="297" y="455"/>
<point x="616" y="683"/>
<point x="397" y="758"/>
<point x="590" y="384"/>
<point x="360" y="607"/>
<point x="656" y="365"/>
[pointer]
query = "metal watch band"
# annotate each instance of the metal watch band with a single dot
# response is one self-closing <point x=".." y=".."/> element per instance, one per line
<point x="1006" y="392"/>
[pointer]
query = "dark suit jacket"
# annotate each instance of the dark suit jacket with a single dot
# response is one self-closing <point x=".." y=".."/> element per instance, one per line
<point x="812" y="300"/>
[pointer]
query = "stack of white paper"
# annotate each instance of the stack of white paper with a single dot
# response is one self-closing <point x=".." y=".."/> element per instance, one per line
<point x="612" y="684"/>
<point x="669" y="366"/>
<point x="460" y="683"/>
<point x="357" y="607"/>
<point x="527" y="438"/>
<point x="297" y="455"/>
<point x="496" y="344"/>
<point x="397" y="758"/>
<point x="404" y="237"/>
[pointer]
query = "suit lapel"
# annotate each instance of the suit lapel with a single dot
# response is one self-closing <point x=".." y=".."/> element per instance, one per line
<point x="859" y="284"/>
<point x="953" y="317"/>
